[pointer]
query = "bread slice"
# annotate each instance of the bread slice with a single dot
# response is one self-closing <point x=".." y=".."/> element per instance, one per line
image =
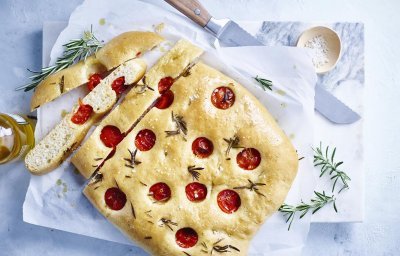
<point x="138" y="100"/>
<point x="117" y="51"/>
<point x="66" y="136"/>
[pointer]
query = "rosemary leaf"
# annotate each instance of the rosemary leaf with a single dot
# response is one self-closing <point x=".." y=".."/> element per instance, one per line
<point x="264" y="83"/>
<point x="133" y="211"/>
<point x="75" y="50"/>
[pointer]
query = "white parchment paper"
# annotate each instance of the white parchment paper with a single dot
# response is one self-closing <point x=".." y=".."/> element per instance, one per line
<point x="55" y="200"/>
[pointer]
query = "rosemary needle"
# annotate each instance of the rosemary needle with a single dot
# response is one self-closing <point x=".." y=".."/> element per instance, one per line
<point x="75" y="50"/>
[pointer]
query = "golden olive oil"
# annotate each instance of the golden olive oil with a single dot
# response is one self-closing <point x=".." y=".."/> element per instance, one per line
<point x="16" y="137"/>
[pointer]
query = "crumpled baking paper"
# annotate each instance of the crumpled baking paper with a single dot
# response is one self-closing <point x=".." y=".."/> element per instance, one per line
<point x="56" y="201"/>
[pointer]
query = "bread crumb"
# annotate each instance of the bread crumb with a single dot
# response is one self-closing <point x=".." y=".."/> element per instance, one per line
<point x="64" y="113"/>
<point x="159" y="28"/>
<point x="281" y="92"/>
<point x="102" y="21"/>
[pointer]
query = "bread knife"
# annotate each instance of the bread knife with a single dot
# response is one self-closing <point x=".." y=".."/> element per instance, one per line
<point x="230" y="34"/>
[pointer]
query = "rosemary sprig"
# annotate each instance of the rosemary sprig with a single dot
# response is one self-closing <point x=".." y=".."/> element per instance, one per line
<point x="75" y="50"/>
<point x="144" y="88"/>
<point x="232" y="143"/>
<point x="264" y="83"/>
<point x="167" y="223"/>
<point x="180" y="124"/>
<point x="205" y="249"/>
<point x="316" y="203"/>
<point x="96" y="178"/>
<point x="148" y="213"/>
<point x="132" y="159"/>
<point x="221" y="248"/>
<point x="193" y="170"/>
<point x="326" y="161"/>
<point x="252" y="187"/>
<point x="186" y="71"/>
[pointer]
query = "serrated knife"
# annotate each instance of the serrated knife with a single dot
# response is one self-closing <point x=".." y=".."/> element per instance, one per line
<point x="230" y="34"/>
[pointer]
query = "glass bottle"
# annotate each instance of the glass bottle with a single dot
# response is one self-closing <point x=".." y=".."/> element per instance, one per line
<point x="16" y="137"/>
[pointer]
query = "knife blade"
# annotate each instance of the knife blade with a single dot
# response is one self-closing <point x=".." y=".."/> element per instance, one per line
<point x="231" y="34"/>
<point x="332" y="108"/>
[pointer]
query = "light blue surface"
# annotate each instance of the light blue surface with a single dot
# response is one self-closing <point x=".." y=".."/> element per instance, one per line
<point x="20" y="48"/>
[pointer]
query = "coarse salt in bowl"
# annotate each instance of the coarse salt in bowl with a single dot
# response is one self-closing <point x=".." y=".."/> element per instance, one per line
<point x="325" y="44"/>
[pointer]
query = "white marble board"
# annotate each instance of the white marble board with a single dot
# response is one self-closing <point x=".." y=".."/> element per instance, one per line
<point x="346" y="82"/>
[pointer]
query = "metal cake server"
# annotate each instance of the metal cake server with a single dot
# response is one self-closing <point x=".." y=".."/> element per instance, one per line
<point x="231" y="35"/>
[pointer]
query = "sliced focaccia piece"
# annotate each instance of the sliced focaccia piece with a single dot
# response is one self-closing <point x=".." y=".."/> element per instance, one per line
<point x="117" y="51"/>
<point x="200" y="176"/>
<point x="117" y="124"/>
<point x="67" y="135"/>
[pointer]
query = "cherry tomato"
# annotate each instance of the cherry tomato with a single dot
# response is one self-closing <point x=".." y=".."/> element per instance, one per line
<point x="196" y="191"/>
<point x="160" y="192"/>
<point x="165" y="84"/>
<point x="118" y="85"/>
<point x="165" y="100"/>
<point x="145" y="140"/>
<point x="248" y="158"/>
<point x="202" y="147"/>
<point x="186" y="237"/>
<point x="115" y="198"/>
<point x="228" y="201"/>
<point x="94" y="80"/>
<point x="82" y="114"/>
<point x="222" y="97"/>
<point x="111" y="136"/>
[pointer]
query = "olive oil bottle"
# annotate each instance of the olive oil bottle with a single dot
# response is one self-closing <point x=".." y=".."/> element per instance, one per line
<point x="16" y="137"/>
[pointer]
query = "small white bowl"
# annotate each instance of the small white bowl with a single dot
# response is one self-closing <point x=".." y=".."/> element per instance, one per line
<point x="333" y="46"/>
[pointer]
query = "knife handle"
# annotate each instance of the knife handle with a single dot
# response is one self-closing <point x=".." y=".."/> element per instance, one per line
<point x="192" y="9"/>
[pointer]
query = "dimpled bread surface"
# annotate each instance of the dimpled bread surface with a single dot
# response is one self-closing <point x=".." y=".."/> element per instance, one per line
<point x="141" y="218"/>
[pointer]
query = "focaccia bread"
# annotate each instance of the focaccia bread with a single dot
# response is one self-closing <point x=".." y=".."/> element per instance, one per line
<point x="117" y="51"/>
<point x="113" y="128"/>
<point x="60" y="142"/>
<point x="199" y="176"/>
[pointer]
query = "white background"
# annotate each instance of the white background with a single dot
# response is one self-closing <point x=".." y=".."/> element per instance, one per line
<point x="20" y="44"/>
